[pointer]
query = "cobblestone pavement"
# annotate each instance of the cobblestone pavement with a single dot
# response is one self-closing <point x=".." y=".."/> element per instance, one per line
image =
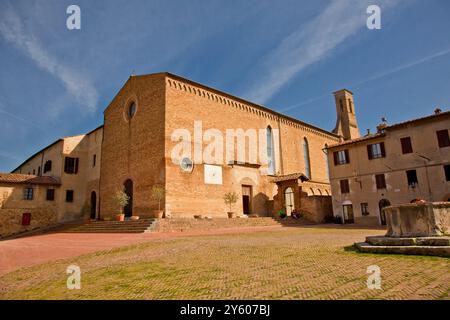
<point x="282" y="263"/>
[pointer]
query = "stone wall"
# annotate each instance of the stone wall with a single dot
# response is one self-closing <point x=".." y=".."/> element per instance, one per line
<point x="418" y="220"/>
<point x="317" y="209"/>
<point x="11" y="220"/>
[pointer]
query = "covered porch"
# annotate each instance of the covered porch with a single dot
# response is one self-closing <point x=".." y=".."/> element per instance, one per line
<point x="296" y="193"/>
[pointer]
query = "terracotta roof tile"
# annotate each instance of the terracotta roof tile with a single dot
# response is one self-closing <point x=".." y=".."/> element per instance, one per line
<point x="360" y="139"/>
<point x="392" y="127"/>
<point x="292" y="176"/>
<point x="28" y="179"/>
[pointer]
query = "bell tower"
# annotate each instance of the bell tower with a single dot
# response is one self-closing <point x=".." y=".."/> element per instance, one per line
<point x="346" y="125"/>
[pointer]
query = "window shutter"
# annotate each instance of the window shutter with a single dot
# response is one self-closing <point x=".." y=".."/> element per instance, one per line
<point x="383" y="150"/>
<point x="369" y="151"/>
<point x="380" y="181"/>
<point x="406" y="145"/>
<point x="347" y="156"/>
<point x="335" y="157"/>
<point x="76" y="166"/>
<point x="345" y="187"/>
<point x="443" y="138"/>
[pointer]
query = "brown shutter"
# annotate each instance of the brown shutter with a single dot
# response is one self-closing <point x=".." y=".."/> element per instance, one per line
<point x="380" y="181"/>
<point x="383" y="150"/>
<point x="443" y="138"/>
<point x="406" y="145"/>
<point x="347" y="156"/>
<point x="335" y="157"/>
<point x="369" y="151"/>
<point x="76" y="166"/>
<point x="345" y="187"/>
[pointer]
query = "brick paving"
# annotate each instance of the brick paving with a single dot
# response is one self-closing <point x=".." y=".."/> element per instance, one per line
<point x="265" y="263"/>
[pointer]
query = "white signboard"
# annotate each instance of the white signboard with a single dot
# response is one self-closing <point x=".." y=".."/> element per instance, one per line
<point x="213" y="174"/>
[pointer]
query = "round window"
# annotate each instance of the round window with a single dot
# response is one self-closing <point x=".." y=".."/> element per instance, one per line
<point x="186" y="165"/>
<point x="131" y="110"/>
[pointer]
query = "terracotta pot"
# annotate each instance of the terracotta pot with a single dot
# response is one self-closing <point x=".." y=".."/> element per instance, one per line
<point x="157" y="214"/>
<point x="230" y="215"/>
<point x="120" y="217"/>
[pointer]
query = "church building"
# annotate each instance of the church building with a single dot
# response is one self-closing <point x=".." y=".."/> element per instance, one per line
<point x="198" y="143"/>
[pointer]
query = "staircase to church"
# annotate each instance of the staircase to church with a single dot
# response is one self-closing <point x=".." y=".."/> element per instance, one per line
<point x="189" y="224"/>
<point x="127" y="226"/>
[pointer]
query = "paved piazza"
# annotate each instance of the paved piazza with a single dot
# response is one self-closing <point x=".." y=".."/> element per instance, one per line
<point x="264" y="263"/>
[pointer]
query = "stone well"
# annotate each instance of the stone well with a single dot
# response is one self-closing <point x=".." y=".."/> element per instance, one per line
<point x="418" y="220"/>
<point x="418" y="229"/>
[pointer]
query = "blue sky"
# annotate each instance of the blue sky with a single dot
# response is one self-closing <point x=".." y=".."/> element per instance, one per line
<point x="288" y="55"/>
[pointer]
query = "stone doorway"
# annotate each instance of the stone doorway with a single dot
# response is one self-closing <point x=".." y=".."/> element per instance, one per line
<point x="289" y="200"/>
<point x="93" y="205"/>
<point x="128" y="188"/>
<point x="247" y="199"/>
<point x="349" y="217"/>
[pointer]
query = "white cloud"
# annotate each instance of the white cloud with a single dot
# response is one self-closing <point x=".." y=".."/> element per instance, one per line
<point x="79" y="86"/>
<point x="314" y="42"/>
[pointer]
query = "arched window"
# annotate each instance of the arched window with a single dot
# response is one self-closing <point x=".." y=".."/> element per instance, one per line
<point x="131" y="110"/>
<point x="306" y="158"/>
<point x="270" y="151"/>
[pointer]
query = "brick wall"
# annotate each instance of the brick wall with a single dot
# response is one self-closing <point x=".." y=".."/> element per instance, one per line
<point x="133" y="149"/>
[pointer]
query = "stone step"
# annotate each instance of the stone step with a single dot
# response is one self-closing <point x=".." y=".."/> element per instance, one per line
<point x="441" y="251"/>
<point x="128" y="226"/>
<point x="421" y="241"/>
<point x="107" y="231"/>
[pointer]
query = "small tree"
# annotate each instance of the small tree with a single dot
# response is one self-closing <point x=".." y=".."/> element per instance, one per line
<point x="122" y="199"/>
<point x="230" y="198"/>
<point x="158" y="193"/>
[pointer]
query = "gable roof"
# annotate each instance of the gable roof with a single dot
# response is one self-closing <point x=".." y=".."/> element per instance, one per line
<point x="241" y="100"/>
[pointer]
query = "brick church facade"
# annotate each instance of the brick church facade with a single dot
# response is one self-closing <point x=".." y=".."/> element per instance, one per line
<point x="134" y="149"/>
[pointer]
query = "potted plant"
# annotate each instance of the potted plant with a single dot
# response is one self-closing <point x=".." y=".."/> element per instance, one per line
<point x="230" y="198"/>
<point x="282" y="213"/>
<point x="158" y="192"/>
<point x="122" y="200"/>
